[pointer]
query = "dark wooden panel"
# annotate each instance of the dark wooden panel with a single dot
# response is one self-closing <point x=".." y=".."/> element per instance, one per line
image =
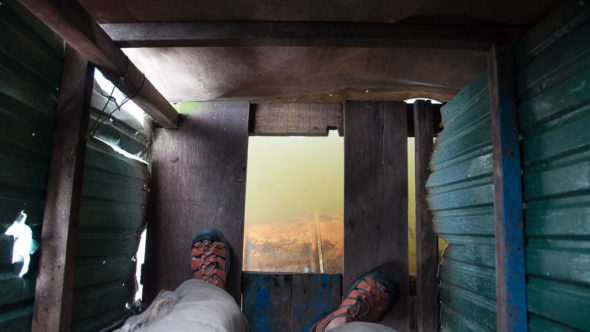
<point x="296" y="119"/>
<point x="54" y="287"/>
<point x="340" y="34"/>
<point x="198" y="181"/>
<point x="288" y="302"/>
<point x="71" y="21"/>
<point x="376" y="196"/>
<point x="508" y="215"/>
<point x="426" y="240"/>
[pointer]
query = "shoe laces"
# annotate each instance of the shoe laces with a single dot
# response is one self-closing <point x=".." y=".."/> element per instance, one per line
<point x="365" y="300"/>
<point x="212" y="262"/>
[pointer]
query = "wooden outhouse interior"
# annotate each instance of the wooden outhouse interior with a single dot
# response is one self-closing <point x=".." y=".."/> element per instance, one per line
<point x="502" y="164"/>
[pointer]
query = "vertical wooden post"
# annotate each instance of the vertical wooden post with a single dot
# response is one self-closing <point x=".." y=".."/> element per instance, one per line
<point x="376" y="197"/>
<point x="510" y="268"/>
<point x="426" y="240"/>
<point x="53" y="292"/>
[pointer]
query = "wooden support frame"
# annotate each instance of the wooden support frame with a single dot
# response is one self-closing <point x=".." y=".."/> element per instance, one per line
<point x="334" y="34"/>
<point x="427" y="303"/>
<point x="509" y="221"/>
<point x="55" y="281"/>
<point x="70" y="20"/>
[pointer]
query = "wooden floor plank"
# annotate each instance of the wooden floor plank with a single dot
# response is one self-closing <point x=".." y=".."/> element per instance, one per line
<point x="426" y="240"/>
<point x="288" y="302"/>
<point x="296" y="119"/>
<point x="376" y="196"/>
<point x="198" y="181"/>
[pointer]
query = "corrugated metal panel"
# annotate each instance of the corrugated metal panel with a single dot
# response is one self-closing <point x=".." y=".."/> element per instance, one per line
<point x="112" y="217"/>
<point x="461" y="197"/>
<point x="553" y="83"/>
<point x="117" y="127"/>
<point x="30" y="70"/>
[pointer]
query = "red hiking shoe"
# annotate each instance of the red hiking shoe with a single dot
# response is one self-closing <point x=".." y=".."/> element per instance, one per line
<point x="367" y="300"/>
<point x="210" y="259"/>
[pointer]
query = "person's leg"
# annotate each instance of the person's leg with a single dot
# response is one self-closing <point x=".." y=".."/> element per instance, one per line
<point x="200" y="304"/>
<point x="367" y="300"/>
<point x="362" y="326"/>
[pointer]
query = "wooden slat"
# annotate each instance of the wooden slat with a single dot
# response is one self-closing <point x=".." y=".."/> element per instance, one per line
<point x="198" y="181"/>
<point x="435" y="119"/>
<point x="71" y="21"/>
<point x="288" y="302"/>
<point x="338" y="34"/>
<point x="509" y="222"/>
<point x="376" y="196"/>
<point x="292" y="119"/>
<point x="296" y="119"/>
<point x="54" y="287"/>
<point x="426" y="240"/>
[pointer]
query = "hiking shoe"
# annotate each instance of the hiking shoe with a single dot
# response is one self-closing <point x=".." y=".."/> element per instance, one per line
<point x="210" y="259"/>
<point x="367" y="300"/>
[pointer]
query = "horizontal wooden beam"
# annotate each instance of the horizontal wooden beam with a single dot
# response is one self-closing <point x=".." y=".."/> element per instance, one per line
<point x="335" y="34"/>
<point x="293" y="119"/>
<point x="70" y="20"/>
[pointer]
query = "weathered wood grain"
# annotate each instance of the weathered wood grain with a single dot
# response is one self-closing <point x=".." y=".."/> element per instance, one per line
<point x="292" y="119"/>
<point x="296" y="119"/>
<point x="426" y="240"/>
<point x="288" y="302"/>
<point x="376" y="196"/>
<point x="55" y="280"/>
<point x="198" y="181"/>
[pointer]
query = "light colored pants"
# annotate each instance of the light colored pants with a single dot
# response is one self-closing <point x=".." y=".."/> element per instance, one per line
<point x="197" y="305"/>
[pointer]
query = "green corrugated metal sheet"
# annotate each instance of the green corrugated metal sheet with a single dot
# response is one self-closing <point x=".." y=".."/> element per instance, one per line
<point x="553" y="83"/>
<point x="117" y="127"/>
<point x="30" y="70"/>
<point x="112" y="217"/>
<point x="461" y="198"/>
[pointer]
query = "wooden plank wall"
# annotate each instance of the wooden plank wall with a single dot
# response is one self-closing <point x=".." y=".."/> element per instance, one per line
<point x="376" y="196"/>
<point x="288" y="302"/>
<point x="427" y="310"/>
<point x="55" y="281"/>
<point x="198" y="180"/>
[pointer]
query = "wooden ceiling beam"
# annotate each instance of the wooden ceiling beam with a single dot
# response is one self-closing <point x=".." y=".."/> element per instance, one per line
<point x="72" y="22"/>
<point x="325" y="34"/>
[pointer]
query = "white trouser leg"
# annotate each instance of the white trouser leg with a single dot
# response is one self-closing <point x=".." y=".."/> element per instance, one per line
<point x="195" y="305"/>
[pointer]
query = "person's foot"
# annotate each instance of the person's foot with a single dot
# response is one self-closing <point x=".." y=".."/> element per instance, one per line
<point x="367" y="300"/>
<point x="210" y="257"/>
